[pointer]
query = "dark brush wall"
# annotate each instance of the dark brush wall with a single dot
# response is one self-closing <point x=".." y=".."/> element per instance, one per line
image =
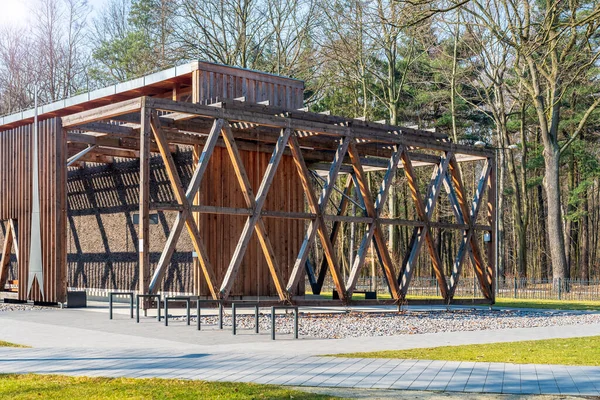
<point x="103" y="241"/>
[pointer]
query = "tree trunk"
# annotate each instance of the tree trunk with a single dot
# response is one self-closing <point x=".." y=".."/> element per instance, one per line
<point x="584" y="265"/>
<point x="543" y="250"/>
<point x="554" y="221"/>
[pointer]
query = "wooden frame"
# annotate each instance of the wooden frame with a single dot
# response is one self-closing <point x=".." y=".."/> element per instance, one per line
<point x="349" y="145"/>
<point x="261" y="114"/>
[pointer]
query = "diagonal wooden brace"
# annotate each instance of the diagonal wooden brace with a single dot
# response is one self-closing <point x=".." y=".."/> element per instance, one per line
<point x="423" y="233"/>
<point x="9" y="240"/>
<point x="317" y="226"/>
<point x="184" y="217"/>
<point x="468" y="216"/>
<point x="335" y="230"/>
<point x="373" y="211"/>
<point x="254" y="222"/>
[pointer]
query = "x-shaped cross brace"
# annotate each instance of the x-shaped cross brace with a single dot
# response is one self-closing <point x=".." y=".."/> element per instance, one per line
<point x="374" y="232"/>
<point x="469" y="217"/>
<point x="423" y="233"/>
<point x="254" y="221"/>
<point x="317" y="207"/>
<point x="184" y="216"/>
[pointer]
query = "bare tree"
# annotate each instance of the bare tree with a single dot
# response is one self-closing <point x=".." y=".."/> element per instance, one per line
<point x="554" y="45"/>
<point x="230" y="32"/>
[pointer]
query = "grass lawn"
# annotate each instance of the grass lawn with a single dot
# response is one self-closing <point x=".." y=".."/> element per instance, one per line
<point x="8" y="344"/>
<point x="574" y="351"/>
<point x="549" y="304"/>
<point x="58" y="387"/>
<point x="505" y="302"/>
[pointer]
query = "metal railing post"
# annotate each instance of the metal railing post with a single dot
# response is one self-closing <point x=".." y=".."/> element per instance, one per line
<point x="233" y="317"/>
<point x="220" y="315"/>
<point x="166" y="311"/>
<point x="272" y="323"/>
<point x="256" y="327"/>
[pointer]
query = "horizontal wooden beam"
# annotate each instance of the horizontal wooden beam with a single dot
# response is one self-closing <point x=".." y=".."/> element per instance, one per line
<point x="324" y="128"/>
<point x="100" y="113"/>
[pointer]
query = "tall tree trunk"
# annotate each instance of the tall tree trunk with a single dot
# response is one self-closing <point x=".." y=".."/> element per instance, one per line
<point x="560" y="268"/>
<point x="543" y="250"/>
<point x="500" y="222"/>
<point x="584" y="265"/>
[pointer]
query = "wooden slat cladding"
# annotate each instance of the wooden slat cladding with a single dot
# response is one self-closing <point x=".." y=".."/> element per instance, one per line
<point x="221" y="232"/>
<point x="104" y="240"/>
<point x="16" y="148"/>
<point x="216" y="82"/>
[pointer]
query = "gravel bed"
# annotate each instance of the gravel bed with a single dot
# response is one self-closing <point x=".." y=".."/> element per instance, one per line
<point x="359" y="324"/>
<point x="5" y="307"/>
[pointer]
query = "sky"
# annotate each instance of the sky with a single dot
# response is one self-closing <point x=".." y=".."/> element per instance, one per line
<point x="16" y="12"/>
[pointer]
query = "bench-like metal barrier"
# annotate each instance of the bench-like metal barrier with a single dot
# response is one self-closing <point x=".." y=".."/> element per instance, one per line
<point x="275" y="308"/>
<point x="203" y="301"/>
<point x="187" y="300"/>
<point x="110" y="302"/>
<point x="243" y="304"/>
<point x="146" y="296"/>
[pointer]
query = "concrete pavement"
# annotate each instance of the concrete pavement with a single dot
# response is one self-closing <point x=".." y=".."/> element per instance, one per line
<point x="83" y="342"/>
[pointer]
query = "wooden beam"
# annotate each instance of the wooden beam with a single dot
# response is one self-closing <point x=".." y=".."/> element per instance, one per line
<point x="377" y="133"/>
<point x="317" y="207"/>
<point x="373" y="211"/>
<point x="254" y="221"/>
<point x="105" y="112"/>
<point x="6" y="251"/>
<point x="144" y="211"/>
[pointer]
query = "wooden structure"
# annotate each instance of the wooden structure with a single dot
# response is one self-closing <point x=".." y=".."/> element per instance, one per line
<point x="255" y="124"/>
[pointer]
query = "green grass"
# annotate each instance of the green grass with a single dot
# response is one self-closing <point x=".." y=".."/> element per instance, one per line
<point x="8" y="344"/>
<point x="68" y="388"/>
<point x="574" y="351"/>
<point x="549" y="304"/>
<point x="505" y="302"/>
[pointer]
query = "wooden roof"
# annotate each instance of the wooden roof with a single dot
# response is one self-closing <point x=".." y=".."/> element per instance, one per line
<point x="155" y="84"/>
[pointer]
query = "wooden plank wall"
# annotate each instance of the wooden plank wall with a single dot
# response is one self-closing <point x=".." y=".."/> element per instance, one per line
<point x="221" y="232"/>
<point x="15" y="202"/>
<point x="216" y="82"/>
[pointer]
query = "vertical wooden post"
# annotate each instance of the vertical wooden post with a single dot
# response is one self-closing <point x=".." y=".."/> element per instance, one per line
<point x="197" y="274"/>
<point x="176" y="92"/>
<point x="144" y="212"/>
<point x="196" y="86"/>
<point x="61" y="213"/>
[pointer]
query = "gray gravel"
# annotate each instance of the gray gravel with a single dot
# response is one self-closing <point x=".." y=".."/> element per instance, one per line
<point x="5" y="307"/>
<point x="359" y="324"/>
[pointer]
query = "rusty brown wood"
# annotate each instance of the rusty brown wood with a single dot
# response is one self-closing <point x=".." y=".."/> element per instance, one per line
<point x="254" y="222"/>
<point x="317" y="207"/>
<point x="184" y="217"/>
<point x="6" y="251"/>
<point x="423" y="233"/>
<point x="469" y="242"/>
<point x="373" y="210"/>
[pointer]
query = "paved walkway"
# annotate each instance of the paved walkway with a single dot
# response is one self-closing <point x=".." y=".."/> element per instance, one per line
<point x="307" y="370"/>
<point x="81" y="342"/>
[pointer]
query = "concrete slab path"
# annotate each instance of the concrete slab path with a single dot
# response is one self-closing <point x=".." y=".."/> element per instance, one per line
<point x="80" y="342"/>
<point x="307" y="370"/>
